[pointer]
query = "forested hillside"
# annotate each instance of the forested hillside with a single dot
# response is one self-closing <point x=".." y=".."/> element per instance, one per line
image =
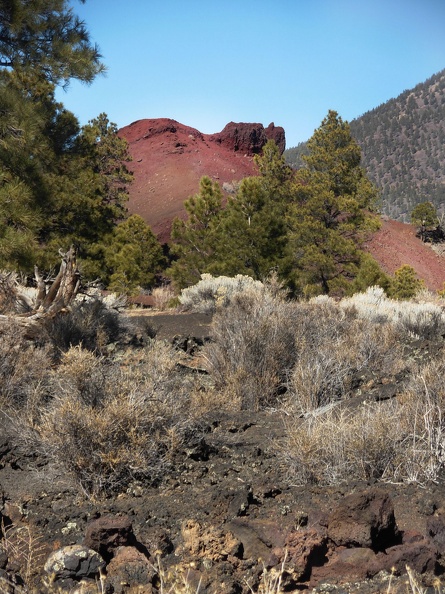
<point x="403" y="148"/>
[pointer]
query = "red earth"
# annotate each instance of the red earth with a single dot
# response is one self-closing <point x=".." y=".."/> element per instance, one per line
<point x="395" y="244"/>
<point x="169" y="159"/>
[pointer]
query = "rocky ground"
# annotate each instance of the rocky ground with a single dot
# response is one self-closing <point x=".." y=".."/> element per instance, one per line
<point x="223" y="521"/>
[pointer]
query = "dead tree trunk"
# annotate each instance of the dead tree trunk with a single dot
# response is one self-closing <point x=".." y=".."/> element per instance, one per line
<point x="28" y="310"/>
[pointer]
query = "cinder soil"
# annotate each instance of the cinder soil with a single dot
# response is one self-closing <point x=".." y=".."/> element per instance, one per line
<point x="231" y="482"/>
<point x="396" y="244"/>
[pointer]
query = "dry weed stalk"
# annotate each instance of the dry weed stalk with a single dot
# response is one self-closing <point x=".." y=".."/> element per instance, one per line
<point x="271" y="580"/>
<point x="162" y="296"/>
<point x="25" y="549"/>
<point x="174" y="581"/>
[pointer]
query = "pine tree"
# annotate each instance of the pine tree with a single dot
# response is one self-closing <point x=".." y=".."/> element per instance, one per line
<point x="332" y="211"/>
<point x="66" y="185"/>
<point x="193" y="240"/>
<point x="45" y="36"/>
<point x="369" y="275"/>
<point x="89" y="195"/>
<point x="133" y="256"/>
<point x="252" y="236"/>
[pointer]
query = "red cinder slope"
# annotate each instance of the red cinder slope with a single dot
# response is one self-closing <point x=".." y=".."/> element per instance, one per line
<point x="169" y="159"/>
<point x="396" y="244"/>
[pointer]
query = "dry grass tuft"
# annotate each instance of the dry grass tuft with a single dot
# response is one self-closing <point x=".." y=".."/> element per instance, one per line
<point x="252" y="348"/>
<point x="400" y="440"/>
<point x="263" y="346"/>
<point x="90" y="323"/>
<point x="333" y="349"/>
<point x="110" y="425"/>
<point x="24" y="374"/>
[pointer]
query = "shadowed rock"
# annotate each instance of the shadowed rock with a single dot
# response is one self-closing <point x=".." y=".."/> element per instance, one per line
<point x="365" y="520"/>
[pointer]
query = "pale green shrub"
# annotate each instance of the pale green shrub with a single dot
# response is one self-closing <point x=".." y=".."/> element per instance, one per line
<point x="213" y="292"/>
<point x="423" y="319"/>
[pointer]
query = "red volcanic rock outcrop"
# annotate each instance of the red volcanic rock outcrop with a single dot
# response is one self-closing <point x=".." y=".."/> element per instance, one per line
<point x="170" y="158"/>
<point x="249" y="138"/>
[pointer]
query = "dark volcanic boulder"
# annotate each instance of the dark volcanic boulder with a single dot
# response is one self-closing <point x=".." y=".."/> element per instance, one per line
<point x="249" y="138"/>
<point x="74" y="561"/>
<point x="364" y="519"/>
<point x="108" y="533"/>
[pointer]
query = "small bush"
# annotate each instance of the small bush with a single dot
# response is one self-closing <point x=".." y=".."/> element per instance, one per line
<point x="109" y="425"/>
<point x="89" y="323"/>
<point x="333" y="349"/>
<point x="405" y="284"/>
<point x="213" y="292"/>
<point x="163" y="297"/>
<point x="262" y="346"/>
<point x="400" y="440"/>
<point x="24" y="373"/>
<point x="252" y="347"/>
<point x="338" y="445"/>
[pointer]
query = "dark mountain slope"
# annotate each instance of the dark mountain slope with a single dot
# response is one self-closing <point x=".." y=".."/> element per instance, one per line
<point x="403" y="147"/>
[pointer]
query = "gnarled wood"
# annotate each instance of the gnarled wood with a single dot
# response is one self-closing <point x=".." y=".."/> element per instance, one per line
<point x="30" y="310"/>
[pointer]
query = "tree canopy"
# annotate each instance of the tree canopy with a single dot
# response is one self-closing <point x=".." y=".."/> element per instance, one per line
<point x="194" y="239"/>
<point x="133" y="256"/>
<point x="425" y="215"/>
<point x="60" y="184"/>
<point x="307" y="227"/>
<point x="47" y="37"/>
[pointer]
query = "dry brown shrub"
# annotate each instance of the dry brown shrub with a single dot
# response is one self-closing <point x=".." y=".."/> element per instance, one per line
<point x="262" y="346"/>
<point x="109" y="425"/>
<point x="91" y="324"/>
<point x="162" y="297"/>
<point x="334" y="349"/>
<point x="400" y="440"/>
<point x="252" y="347"/>
<point x="335" y="445"/>
<point x="24" y="373"/>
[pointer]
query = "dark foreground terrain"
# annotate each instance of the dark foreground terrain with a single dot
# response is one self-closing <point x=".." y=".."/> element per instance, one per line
<point x="225" y="520"/>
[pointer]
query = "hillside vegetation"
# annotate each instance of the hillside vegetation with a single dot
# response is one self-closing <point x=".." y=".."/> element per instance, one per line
<point x="402" y="144"/>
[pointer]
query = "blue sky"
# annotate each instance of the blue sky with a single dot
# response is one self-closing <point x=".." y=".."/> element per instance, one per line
<point x="208" y="62"/>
